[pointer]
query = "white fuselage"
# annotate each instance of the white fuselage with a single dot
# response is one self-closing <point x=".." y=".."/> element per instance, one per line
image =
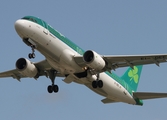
<point x="60" y="57"/>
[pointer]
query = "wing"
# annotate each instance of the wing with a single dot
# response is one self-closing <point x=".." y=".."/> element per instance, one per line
<point x="12" y="73"/>
<point x="133" y="60"/>
<point x="146" y="95"/>
<point x="42" y="66"/>
<point x="114" y="62"/>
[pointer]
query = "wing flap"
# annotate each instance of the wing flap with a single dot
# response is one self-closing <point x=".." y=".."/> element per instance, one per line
<point x="68" y="79"/>
<point x="147" y="95"/>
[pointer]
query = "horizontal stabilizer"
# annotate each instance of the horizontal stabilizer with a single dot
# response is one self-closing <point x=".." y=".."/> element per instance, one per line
<point x="107" y="100"/>
<point x="146" y="95"/>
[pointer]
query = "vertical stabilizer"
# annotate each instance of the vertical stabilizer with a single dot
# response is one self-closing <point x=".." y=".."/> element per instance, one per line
<point x="132" y="76"/>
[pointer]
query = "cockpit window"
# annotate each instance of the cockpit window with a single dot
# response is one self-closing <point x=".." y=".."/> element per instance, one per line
<point x="36" y="20"/>
<point x="30" y="19"/>
<point x="26" y="18"/>
<point x="33" y="20"/>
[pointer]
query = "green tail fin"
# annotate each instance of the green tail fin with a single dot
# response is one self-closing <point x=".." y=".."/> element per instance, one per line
<point x="132" y="76"/>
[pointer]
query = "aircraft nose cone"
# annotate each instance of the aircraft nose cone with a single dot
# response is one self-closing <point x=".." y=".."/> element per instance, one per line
<point x="19" y="25"/>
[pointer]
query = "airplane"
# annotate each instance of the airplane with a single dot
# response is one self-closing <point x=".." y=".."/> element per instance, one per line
<point x="63" y="58"/>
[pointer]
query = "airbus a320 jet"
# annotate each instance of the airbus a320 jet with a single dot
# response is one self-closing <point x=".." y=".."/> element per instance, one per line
<point x="63" y="58"/>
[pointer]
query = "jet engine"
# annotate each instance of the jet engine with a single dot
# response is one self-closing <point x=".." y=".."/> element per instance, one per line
<point x="26" y="67"/>
<point x="94" y="60"/>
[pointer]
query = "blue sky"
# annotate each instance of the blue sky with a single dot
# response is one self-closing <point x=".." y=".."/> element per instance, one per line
<point x="109" y="27"/>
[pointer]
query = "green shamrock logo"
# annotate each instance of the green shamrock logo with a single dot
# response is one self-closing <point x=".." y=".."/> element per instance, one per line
<point x="133" y="74"/>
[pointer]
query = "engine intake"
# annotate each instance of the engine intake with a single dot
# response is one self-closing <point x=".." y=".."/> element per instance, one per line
<point x="94" y="60"/>
<point x="26" y="67"/>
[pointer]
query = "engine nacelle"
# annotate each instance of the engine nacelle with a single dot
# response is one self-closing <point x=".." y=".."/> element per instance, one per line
<point x="26" y="67"/>
<point x="94" y="60"/>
